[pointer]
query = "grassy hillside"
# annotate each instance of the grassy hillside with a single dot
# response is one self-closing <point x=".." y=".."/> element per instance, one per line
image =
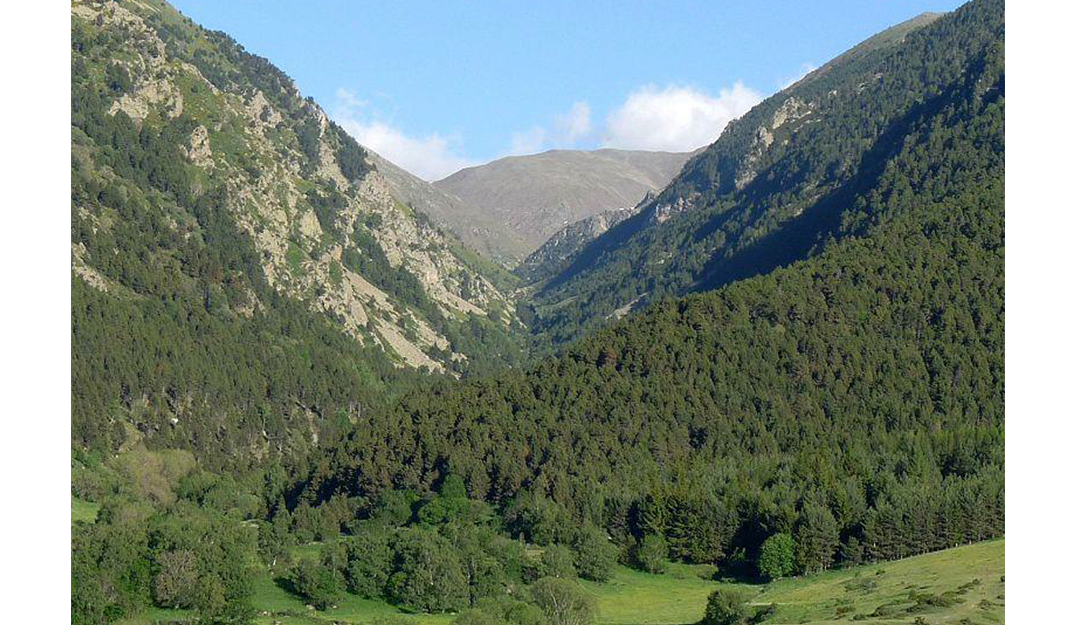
<point x="841" y="596"/>
<point x="517" y="203"/>
<point x="971" y="579"/>
<point x="678" y="596"/>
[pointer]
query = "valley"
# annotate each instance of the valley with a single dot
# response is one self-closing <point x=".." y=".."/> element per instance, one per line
<point x="760" y="381"/>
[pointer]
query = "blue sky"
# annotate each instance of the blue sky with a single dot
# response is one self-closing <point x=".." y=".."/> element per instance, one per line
<point x="436" y="86"/>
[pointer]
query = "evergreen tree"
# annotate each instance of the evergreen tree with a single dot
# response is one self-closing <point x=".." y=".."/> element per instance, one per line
<point x="817" y="538"/>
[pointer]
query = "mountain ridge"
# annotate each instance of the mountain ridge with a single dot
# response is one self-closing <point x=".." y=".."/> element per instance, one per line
<point x="772" y="189"/>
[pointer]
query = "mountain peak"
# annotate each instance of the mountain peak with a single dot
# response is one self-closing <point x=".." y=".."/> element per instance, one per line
<point x="518" y="202"/>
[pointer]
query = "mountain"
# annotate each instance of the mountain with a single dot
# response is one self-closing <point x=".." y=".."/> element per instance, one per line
<point x="552" y="256"/>
<point x="519" y="202"/>
<point x="790" y="176"/>
<point x="234" y="252"/>
<point x="854" y="398"/>
<point x="888" y="37"/>
<point x="450" y="212"/>
<point x="817" y="382"/>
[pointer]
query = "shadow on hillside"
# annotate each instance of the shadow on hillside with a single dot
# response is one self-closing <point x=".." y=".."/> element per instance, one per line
<point x="287" y="585"/>
<point x="799" y="237"/>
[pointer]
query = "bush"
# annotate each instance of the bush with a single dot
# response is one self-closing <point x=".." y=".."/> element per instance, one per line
<point x="558" y="561"/>
<point x="429" y="576"/>
<point x="176" y="583"/>
<point x="502" y="610"/>
<point x="595" y="556"/>
<point x="765" y="612"/>
<point x="317" y="584"/>
<point x="651" y="553"/>
<point x="863" y="585"/>
<point x="726" y="607"/>
<point x="563" y="601"/>
<point x="368" y="568"/>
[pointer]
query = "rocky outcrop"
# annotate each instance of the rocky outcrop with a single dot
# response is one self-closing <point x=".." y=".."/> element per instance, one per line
<point x="553" y="255"/>
<point x="791" y="111"/>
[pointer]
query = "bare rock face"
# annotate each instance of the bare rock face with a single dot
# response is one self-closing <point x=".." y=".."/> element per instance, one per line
<point x="784" y="119"/>
<point x="663" y="212"/>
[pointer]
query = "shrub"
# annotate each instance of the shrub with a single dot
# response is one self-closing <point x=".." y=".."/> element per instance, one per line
<point x="368" y="568"/>
<point x="726" y="606"/>
<point x="317" y="584"/>
<point x="429" y="574"/>
<point x="595" y="556"/>
<point x="558" y="561"/>
<point x="176" y="584"/>
<point x="563" y="601"/>
<point x="651" y="553"/>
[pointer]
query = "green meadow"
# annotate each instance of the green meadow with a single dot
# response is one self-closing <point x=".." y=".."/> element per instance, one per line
<point x="965" y="586"/>
<point x="961" y="585"/>
<point x="82" y="510"/>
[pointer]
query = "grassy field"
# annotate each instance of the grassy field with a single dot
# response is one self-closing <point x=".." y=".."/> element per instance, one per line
<point x="962" y="586"/>
<point x="631" y="596"/>
<point x="283" y="607"/>
<point x="83" y="510"/>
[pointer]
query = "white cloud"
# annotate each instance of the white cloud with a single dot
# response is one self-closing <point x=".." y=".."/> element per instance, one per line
<point x="574" y="125"/>
<point x="804" y="69"/>
<point x="675" y="118"/>
<point x="568" y="130"/>
<point x="430" y="157"/>
<point x="528" y="141"/>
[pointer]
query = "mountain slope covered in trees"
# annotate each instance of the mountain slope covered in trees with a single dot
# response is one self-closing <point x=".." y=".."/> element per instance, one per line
<point x="854" y="399"/>
<point x="242" y="276"/>
<point x="815" y="377"/>
<point x="790" y="176"/>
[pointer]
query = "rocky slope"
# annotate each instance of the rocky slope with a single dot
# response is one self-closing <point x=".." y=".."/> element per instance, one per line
<point x="474" y="227"/>
<point x="329" y="228"/>
<point x="245" y="282"/>
<point x="553" y="255"/>
<point x="519" y="202"/>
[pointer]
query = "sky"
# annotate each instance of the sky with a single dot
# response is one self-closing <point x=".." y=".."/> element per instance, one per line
<point x="435" y="86"/>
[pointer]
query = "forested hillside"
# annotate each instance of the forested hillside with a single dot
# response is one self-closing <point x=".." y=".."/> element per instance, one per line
<point x="798" y="171"/>
<point x="813" y="376"/>
<point x="863" y="387"/>
<point x="858" y="393"/>
<point x="243" y="280"/>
